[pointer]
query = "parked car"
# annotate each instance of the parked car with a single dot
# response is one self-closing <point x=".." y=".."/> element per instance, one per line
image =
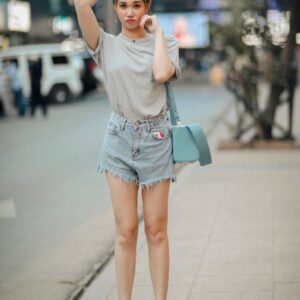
<point x="61" y="68"/>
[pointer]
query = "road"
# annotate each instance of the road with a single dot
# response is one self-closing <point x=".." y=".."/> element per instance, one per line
<point x="54" y="223"/>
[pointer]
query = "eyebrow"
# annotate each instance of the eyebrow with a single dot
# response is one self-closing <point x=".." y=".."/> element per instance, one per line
<point x="134" y="2"/>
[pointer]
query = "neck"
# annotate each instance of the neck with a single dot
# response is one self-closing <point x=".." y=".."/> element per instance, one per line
<point x="138" y="33"/>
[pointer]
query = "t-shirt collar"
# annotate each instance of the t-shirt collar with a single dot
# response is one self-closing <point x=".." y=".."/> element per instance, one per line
<point x="139" y="40"/>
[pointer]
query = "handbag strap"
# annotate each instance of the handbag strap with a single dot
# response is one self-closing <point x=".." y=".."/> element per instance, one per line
<point x="201" y="142"/>
<point x="194" y="129"/>
<point x="175" y="120"/>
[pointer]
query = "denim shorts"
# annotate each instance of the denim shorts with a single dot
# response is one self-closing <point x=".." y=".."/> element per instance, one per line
<point x="138" y="151"/>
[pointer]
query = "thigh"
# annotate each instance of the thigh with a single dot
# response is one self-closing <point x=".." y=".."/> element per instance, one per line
<point x="155" y="203"/>
<point x="155" y="160"/>
<point x="124" y="201"/>
<point x="115" y="155"/>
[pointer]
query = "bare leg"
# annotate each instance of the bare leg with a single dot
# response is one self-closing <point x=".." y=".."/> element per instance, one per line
<point x="124" y="202"/>
<point x="155" y="206"/>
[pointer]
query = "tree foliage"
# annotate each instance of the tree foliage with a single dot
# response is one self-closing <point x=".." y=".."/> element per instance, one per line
<point x="243" y="81"/>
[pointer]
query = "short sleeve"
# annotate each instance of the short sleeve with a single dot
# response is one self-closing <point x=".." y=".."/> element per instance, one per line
<point x="173" y="52"/>
<point x="97" y="54"/>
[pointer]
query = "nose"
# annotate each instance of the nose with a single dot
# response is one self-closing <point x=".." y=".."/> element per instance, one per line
<point x="129" y="12"/>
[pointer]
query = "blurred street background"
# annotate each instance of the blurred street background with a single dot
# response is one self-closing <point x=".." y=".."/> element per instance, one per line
<point x="237" y="237"/>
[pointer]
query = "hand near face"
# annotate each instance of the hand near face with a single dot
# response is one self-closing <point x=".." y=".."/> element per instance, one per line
<point x="150" y="23"/>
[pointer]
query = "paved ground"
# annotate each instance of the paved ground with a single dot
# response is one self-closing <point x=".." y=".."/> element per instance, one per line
<point x="56" y="222"/>
<point x="234" y="229"/>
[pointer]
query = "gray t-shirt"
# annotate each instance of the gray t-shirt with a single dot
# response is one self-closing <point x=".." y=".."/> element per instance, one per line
<point x="127" y="69"/>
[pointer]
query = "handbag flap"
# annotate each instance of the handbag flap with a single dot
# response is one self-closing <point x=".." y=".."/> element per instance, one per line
<point x="184" y="147"/>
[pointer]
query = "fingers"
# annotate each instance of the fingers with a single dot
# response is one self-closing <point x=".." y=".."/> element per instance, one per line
<point x="149" y="23"/>
<point x="144" y="19"/>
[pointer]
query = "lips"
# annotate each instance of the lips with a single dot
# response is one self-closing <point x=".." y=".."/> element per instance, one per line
<point x="130" y="21"/>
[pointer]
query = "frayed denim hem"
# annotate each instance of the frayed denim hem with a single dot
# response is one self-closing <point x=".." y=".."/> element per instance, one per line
<point x="124" y="178"/>
<point x="150" y="183"/>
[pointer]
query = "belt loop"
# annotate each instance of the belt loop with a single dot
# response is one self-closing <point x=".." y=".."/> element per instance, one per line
<point x="123" y="124"/>
<point x="148" y="126"/>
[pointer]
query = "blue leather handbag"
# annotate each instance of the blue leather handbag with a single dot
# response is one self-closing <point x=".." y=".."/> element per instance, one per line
<point x="189" y="141"/>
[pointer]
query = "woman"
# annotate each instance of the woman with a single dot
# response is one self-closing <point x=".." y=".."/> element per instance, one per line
<point x="136" y="149"/>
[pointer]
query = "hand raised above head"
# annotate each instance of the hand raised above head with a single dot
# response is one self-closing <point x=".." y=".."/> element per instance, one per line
<point x="91" y="3"/>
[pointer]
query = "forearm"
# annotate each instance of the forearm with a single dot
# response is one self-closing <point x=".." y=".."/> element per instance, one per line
<point x="162" y="64"/>
<point x="87" y="21"/>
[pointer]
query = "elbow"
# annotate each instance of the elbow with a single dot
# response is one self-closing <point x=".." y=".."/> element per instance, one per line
<point x="161" y="77"/>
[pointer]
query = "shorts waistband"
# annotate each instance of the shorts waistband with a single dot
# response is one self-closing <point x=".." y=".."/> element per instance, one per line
<point x="153" y="121"/>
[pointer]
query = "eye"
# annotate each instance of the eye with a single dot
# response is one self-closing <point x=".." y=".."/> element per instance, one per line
<point x="123" y="6"/>
<point x="137" y="6"/>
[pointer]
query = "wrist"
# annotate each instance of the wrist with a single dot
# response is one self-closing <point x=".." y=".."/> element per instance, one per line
<point x="159" y="30"/>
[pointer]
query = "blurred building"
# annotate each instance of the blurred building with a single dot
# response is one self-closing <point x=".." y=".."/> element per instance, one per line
<point x="174" y="5"/>
<point x="41" y="21"/>
<point x="44" y="21"/>
<point x="52" y="20"/>
<point x="189" y="5"/>
<point x="15" y="22"/>
<point x="36" y="21"/>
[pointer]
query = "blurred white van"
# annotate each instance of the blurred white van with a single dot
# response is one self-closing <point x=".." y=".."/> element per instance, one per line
<point x="62" y="65"/>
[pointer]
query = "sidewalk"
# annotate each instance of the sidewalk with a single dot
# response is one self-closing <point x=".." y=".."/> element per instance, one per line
<point x="234" y="230"/>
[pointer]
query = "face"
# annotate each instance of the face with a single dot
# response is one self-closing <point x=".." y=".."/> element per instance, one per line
<point x="130" y="12"/>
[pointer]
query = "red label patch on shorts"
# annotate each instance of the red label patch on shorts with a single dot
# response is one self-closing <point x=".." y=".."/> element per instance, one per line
<point x="159" y="134"/>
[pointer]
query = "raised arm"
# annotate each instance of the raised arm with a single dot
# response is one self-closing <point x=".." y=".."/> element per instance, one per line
<point x="163" y="68"/>
<point x="87" y="21"/>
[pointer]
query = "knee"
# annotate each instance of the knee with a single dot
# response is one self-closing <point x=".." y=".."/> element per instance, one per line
<point x="127" y="236"/>
<point x="156" y="232"/>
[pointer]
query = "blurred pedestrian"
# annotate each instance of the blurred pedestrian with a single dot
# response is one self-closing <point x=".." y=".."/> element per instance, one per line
<point x="6" y="96"/>
<point x="36" y="98"/>
<point x="16" y="87"/>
